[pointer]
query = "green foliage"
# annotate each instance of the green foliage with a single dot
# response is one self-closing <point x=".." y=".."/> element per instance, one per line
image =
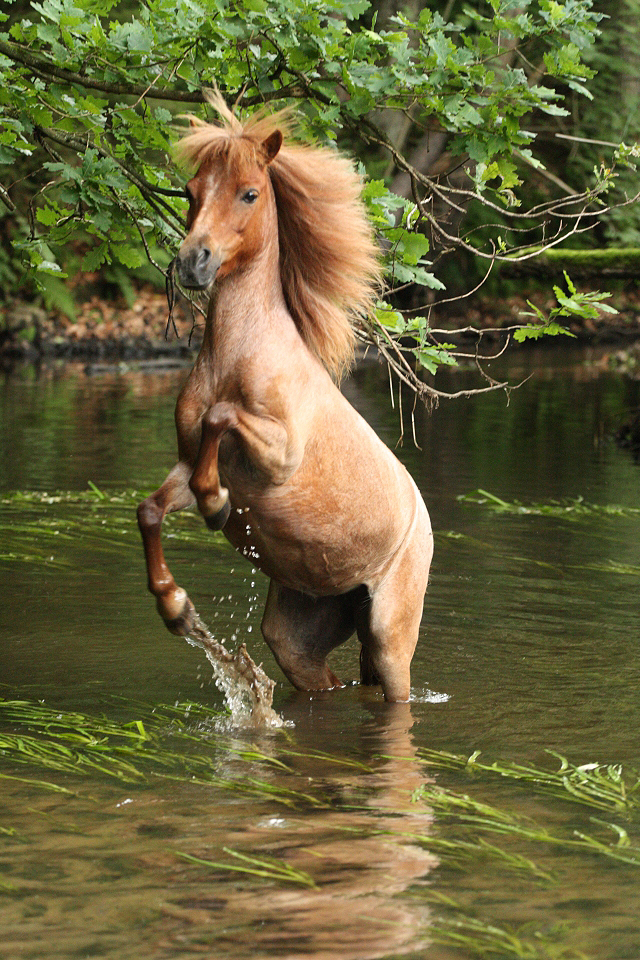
<point x="575" y="304"/>
<point x="615" y="60"/>
<point x="90" y="94"/>
<point x="144" y="744"/>
<point x="595" y="785"/>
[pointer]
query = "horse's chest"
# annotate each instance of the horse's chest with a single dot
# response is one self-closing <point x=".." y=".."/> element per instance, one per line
<point x="236" y="469"/>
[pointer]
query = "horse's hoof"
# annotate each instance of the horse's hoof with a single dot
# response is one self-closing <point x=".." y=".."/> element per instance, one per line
<point x="217" y="520"/>
<point x="182" y="625"/>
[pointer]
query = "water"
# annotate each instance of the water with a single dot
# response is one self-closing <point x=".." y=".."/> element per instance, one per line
<point x="247" y="690"/>
<point x="529" y="644"/>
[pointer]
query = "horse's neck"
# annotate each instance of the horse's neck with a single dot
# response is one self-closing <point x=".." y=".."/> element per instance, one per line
<point x="247" y="317"/>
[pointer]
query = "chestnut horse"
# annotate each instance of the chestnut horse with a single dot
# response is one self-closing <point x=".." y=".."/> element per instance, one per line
<point x="268" y="448"/>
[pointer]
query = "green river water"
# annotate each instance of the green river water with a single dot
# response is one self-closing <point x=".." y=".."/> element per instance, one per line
<point x="136" y="822"/>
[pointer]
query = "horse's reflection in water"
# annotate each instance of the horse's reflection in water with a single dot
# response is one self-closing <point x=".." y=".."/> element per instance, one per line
<point x="361" y="859"/>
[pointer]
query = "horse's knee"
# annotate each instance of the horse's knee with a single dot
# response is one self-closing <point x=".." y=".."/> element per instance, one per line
<point x="149" y="514"/>
<point x="217" y="519"/>
<point x="213" y="504"/>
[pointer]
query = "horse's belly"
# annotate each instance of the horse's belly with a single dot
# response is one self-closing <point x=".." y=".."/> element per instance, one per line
<point x="320" y="545"/>
<point x="337" y="522"/>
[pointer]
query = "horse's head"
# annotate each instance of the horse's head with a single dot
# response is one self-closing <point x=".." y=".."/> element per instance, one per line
<point x="228" y="198"/>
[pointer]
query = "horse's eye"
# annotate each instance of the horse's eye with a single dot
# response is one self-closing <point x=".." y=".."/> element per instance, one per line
<point x="250" y="196"/>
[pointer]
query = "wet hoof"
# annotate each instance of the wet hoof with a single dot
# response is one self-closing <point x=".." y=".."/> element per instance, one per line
<point x="181" y="626"/>
<point x="217" y="520"/>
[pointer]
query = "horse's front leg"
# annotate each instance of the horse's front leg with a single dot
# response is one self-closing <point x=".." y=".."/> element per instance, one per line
<point x="173" y="604"/>
<point x="212" y="499"/>
<point x="267" y="444"/>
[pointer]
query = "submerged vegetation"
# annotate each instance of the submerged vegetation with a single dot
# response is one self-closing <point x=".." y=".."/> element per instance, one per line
<point x="576" y="509"/>
<point x="590" y="784"/>
<point x="138" y="751"/>
<point x="110" y="516"/>
<point x="181" y="742"/>
<point x="481" y="939"/>
<point x="70" y="514"/>
<point x="489" y="817"/>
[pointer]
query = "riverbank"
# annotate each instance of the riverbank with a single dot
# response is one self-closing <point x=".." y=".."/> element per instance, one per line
<point x="109" y="330"/>
<point x="102" y="330"/>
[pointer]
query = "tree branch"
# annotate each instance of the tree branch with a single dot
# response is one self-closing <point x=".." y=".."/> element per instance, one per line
<point x="146" y="189"/>
<point x="20" y="54"/>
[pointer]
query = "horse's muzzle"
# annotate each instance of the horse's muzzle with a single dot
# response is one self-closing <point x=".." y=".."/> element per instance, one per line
<point x="197" y="268"/>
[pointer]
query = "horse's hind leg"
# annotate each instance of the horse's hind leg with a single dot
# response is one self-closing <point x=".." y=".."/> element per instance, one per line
<point x="388" y="624"/>
<point x="303" y="630"/>
<point x="173" y="604"/>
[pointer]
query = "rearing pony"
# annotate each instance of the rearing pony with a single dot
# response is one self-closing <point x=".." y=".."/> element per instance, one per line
<point x="269" y="449"/>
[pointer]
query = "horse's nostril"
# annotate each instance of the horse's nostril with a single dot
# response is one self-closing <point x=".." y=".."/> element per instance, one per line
<point x="196" y="267"/>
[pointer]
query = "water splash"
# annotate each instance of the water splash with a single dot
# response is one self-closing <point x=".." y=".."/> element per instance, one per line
<point x="248" y="691"/>
<point x="428" y="696"/>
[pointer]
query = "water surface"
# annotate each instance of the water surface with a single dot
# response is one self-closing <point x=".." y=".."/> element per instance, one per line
<point x="529" y="643"/>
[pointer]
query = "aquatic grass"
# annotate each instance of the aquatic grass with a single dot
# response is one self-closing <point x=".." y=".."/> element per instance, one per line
<point x="611" y="566"/>
<point x="37" y="527"/>
<point x="13" y="833"/>
<point x="39" y="784"/>
<point x="471" y="813"/>
<point x="133" y="752"/>
<point x="57" y="756"/>
<point x="311" y="755"/>
<point x="571" y="509"/>
<point x="481" y="939"/>
<point x="72" y="724"/>
<point x="329" y="758"/>
<point x="92" y="496"/>
<point x="600" y="786"/>
<point x="460" y="851"/>
<point x="161" y="743"/>
<point x="271" y="868"/>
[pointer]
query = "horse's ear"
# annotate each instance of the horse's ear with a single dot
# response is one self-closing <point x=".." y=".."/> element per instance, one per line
<point x="271" y="145"/>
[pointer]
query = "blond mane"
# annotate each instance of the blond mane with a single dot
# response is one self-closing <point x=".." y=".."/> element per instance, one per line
<point x="329" y="262"/>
